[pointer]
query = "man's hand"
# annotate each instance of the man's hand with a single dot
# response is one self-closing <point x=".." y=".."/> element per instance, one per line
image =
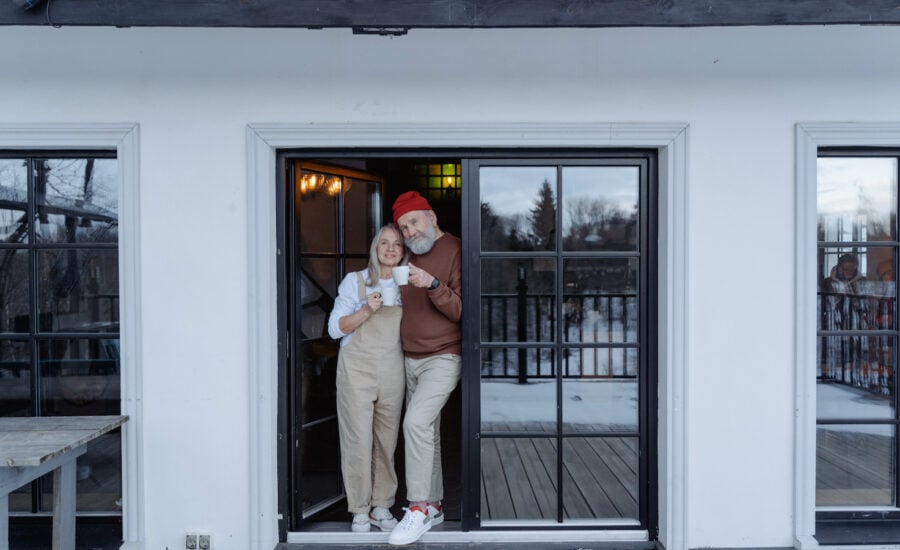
<point x="419" y="277"/>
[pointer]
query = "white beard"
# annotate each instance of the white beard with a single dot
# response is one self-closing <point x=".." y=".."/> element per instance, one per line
<point x="423" y="243"/>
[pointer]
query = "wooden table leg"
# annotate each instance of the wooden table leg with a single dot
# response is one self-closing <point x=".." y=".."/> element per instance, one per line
<point x="64" y="506"/>
<point x="4" y="522"/>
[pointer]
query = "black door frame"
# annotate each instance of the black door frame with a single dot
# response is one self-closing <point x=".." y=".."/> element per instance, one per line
<point x="648" y="379"/>
<point x="649" y="212"/>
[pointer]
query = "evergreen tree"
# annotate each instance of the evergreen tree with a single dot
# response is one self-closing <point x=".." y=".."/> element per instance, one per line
<point x="543" y="219"/>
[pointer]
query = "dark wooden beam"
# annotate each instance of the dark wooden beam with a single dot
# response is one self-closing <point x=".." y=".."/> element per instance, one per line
<point x="398" y="15"/>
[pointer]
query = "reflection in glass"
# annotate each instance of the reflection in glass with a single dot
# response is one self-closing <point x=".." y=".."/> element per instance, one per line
<point x="77" y="200"/>
<point x="601" y="300"/>
<point x="507" y="404"/>
<point x="600" y="478"/>
<point x="518" y="208"/>
<point x="856" y="376"/>
<point x="319" y="364"/>
<point x="605" y="362"/>
<point x="20" y="499"/>
<point x="856" y="198"/>
<point x="857" y="288"/>
<point x="837" y="399"/>
<point x="600" y="404"/>
<point x="355" y="264"/>
<point x="854" y="465"/>
<point x="13" y="201"/>
<point x="517" y="300"/>
<point x="78" y="290"/>
<point x="316" y="289"/>
<point x="14" y="278"/>
<point x="600" y="207"/>
<point x="317" y="214"/>
<point x="98" y="477"/>
<point x="79" y="376"/>
<point x="518" y="479"/>
<point x="15" y="378"/>
<point x="518" y="363"/>
<point x="321" y="459"/>
<point x="360" y="209"/>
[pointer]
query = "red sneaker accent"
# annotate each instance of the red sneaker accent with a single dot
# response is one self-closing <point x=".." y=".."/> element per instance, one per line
<point x="419" y="508"/>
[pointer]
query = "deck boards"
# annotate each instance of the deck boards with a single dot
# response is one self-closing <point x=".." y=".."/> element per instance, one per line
<point x="519" y="478"/>
<point x="853" y="468"/>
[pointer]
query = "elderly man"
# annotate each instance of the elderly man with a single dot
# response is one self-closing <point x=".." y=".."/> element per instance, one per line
<point x="432" y="344"/>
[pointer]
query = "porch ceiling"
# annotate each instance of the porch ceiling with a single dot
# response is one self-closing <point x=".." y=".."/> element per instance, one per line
<point x="395" y="16"/>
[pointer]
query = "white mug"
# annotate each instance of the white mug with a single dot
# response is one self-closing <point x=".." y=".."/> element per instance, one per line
<point x="401" y="274"/>
<point x="390" y="296"/>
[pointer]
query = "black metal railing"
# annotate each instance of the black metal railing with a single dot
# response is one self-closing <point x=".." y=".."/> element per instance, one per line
<point x="864" y="360"/>
<point x="609" y="320"/>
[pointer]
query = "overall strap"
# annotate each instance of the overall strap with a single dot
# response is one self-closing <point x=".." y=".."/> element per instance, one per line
<point x="361" y="286"/>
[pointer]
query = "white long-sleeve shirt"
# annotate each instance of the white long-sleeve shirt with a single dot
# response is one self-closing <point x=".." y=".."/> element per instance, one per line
<point x="348" y="303"/>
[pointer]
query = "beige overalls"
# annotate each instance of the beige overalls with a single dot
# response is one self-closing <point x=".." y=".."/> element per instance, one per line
<point x="370" y="392"/>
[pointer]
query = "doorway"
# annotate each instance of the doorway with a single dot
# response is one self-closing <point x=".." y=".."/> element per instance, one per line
<point x="572" y="286"/>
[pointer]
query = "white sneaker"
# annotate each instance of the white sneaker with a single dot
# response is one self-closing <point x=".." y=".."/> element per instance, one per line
<point x="437" y="516"/>
<point x="360" y="523"/>
<point x="411" y="527"/>
<point x="382" y="518"/>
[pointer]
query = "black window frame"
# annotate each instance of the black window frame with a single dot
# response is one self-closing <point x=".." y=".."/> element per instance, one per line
<point x="854" y="524"/>
<point x="106" y="519"/>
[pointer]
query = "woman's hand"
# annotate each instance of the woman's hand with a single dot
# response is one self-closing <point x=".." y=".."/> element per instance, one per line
<point x="374" y="301"/>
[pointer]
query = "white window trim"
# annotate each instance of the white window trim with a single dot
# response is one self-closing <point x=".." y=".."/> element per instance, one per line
<point x="811" y="136"/>
<point x="263" y="141"/>
<point x="124" y="139"/>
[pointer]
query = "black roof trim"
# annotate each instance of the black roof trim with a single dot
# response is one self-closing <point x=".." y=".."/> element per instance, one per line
<point x="396" y="16"/>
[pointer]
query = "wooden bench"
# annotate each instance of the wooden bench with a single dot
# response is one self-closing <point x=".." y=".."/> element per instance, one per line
<point x="33" y="446"/>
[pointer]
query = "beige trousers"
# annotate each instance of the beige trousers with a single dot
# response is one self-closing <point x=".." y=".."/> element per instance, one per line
<point x="370" y="382"/>
<point x="429" y="382"/>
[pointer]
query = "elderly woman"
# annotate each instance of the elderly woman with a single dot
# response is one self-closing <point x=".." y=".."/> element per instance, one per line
<point x="370" y="381"/>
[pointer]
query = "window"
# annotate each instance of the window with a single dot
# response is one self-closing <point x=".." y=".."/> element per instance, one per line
<point x="856" y="344"/>
<point x="439" y="181"/>
<point x="59" y="308"/>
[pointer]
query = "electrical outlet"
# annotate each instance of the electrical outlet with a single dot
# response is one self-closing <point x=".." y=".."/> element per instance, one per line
<point x="190" y="541"/>
<point x="204" y="542"/>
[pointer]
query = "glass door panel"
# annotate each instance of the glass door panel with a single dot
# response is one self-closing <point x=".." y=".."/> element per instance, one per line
<point x="562" y="273"/>
<point x="361" y="201"/>
<point x="518" y="479"/>
<point x="856" y="413"/>
<point x="518" y="300"/>
<point x="855" y="465"/>
<point x="601" y="300"/>
<point x="518" y="208"/>
<point x="336" y="210"/>
<point x="600" y="207"/>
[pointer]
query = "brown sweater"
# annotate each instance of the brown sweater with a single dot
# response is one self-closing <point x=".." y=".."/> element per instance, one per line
<point x="430" y="324"/>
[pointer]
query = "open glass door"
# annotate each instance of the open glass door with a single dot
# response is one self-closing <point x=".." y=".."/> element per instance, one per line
<point x="335" y="213"/>
<point x="560" y="288"/>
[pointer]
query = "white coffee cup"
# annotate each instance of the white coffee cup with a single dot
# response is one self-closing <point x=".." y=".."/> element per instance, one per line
<point x="401" y="274"/>
<point x="390" y="296"/>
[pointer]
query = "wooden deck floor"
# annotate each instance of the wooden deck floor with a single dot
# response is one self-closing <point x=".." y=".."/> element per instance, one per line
<point x="853" y="468"/>
<point x="519" y="479"/>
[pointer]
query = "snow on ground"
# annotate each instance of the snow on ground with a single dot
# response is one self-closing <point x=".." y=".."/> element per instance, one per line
<point x="598" y="401"/>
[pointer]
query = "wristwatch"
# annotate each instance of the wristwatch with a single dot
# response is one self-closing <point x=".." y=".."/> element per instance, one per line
<point x="434" y="284"/>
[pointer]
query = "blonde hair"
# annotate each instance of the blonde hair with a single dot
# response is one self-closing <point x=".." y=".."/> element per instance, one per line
<point x="374" y="263"/>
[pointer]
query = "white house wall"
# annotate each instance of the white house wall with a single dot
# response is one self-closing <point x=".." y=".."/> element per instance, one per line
<point x="194" y="91"/>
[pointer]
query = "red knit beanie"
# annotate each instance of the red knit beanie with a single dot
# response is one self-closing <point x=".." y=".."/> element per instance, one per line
<point x="408" y="202"/>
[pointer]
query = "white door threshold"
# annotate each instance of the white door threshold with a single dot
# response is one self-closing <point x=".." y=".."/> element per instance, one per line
<point x="482" y="536"/>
